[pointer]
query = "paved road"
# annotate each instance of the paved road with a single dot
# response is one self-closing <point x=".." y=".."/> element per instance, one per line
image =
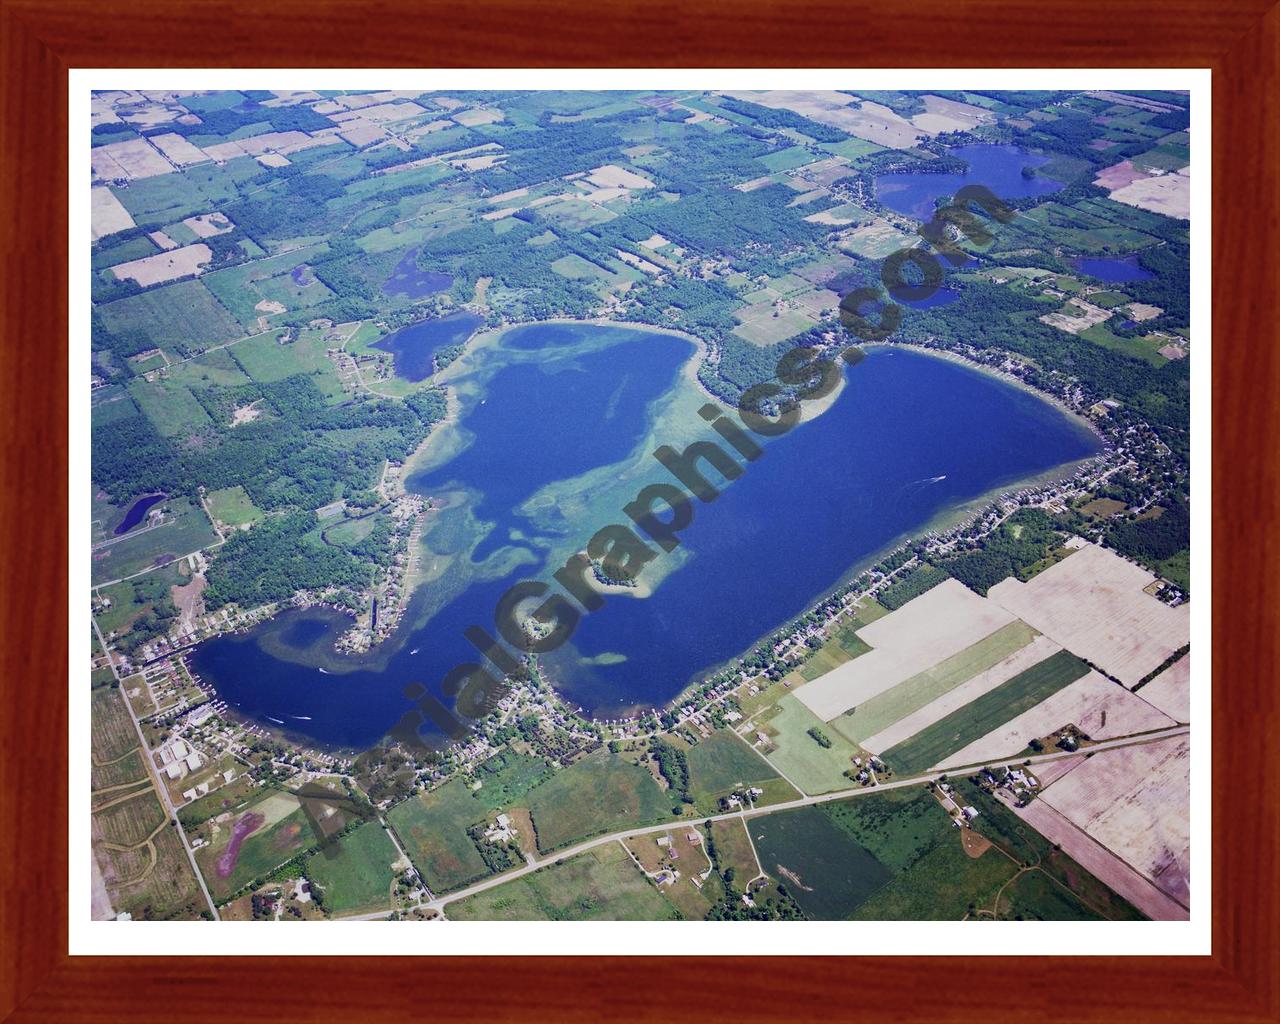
<point x="537" y="863"/>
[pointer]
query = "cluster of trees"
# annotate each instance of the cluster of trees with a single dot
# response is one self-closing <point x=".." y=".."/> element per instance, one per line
<point x="1020" y="542"/>
<point x="274" y="560"/>
<point x="673" y="765"/>
<point x="1154" y="539"/>
<point x="769" y="117"/>
<point x="819" y="737"/>
<point x="923" y="577"/>
<point x="230" y="119"/>
<point x="498" y="857"/>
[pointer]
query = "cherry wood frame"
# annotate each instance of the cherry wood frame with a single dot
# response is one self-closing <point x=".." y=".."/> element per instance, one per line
<point x="41" y="39"/>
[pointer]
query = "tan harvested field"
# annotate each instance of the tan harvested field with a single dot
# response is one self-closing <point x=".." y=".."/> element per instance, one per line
<point x="1136" y="801"/>
<point x="869" y="121"/>
<point x="1170" y="691"/>
<point x="873" y="241"/>
<point x="937" y="624"/>
<point x="838" y="215"/>
<point x="942" y="115"/>
<point x="107" y="215"/>
<point x="206" y="225"/>
<point x="362" y="135"/>
<point x="1169" y="194"/>
<point x="162" y="240"/>
<point x="1118" y="175"/>
<point x="1101" y="862"/>
<point x="613" y="176"/>
<point x="1094" y="605"/>
<point x="132" y="159"/>
<point x="1085" y="315"/>
<point x="165" y="266"/>
<point x="385" y="113"/>
<point x="178" y="149"/>
<point x="1036" y="651"/>
<point x="273" y="160"/>
<point x="1049" y="772"/>
<point x="479" y="116"/>
<point x="1100" y="708"/>
<point x="1141" y="311"/>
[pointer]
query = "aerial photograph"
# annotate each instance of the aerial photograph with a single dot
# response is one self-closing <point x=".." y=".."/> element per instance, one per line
<point x="704" y="505"/>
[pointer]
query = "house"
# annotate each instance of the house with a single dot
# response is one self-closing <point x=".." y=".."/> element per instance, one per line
<point x="969" y="812"/>
<point x="174" y="770"/>
<point x="193" y="761"/>
<point x="664" y="841"/>
<point x="693" y="837"/>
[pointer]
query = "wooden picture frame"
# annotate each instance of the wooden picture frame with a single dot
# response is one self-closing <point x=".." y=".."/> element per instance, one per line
<point x="41" y="39"/>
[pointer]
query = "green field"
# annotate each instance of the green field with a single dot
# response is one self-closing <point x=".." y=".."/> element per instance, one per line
<point x="892" y="705"/>
<point x="232" y="506"/>
<point x="786" y="159"/>
<point x="508" y="776"/>
<point x="721" y="763"/>
<point x="215" y="368"/>
<point x="433" y="829"/>
<point x="932" y="744"/>
<point x="242" y="287"/>
<point x="170" y="197"/>
<point x="354" y="874"/>
<point x="171" y="408"/>
<point x="850" y="148"/>
<point x="181" y="318"/>
<point x="284" y="833"/>
<point x="815" y="769"/>
<point x="602" y="884"/>
<point x="266" y="359"/>
<point x="600" y="793"/>
<point x="822" y="867"/>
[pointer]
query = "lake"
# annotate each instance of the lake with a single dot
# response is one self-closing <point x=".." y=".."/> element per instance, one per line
<point x="999" y="168"/>
<point x="911" y="437"/>
<point x="415" y="346"/>
<point x="411" y="282"/>
<point x="1113" y="269"/>
<point x="136" y="511"/>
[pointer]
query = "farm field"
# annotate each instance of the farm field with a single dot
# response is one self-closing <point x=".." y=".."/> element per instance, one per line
<point x="172" y="409"/>
<point x="1170" y="691"/>
<point x="935" y="743"/>
<point x="721" y="763"/>
<point x="265" y="358"/>
<point x="1008" y="648"/>
<point x="506" y="777"/>
<point x="600" y="793"/>
<point x="1099" y="708"/>
<point x="182" y="319"/>
<point x="140" y="867"/>
<point x="1094" y="604"/>
<point x="355" y="872"/>
<point x="602" y="884"/>
<point x="826" y="872"/>
<point x="798" y="757"/>
<point x="950" y="616"/>
<point x="433" y="830"/>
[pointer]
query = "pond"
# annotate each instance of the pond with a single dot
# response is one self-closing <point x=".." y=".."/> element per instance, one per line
<point x="999" y="168"/>
<point x="415" y="346"/>
<point x="409" y="281"/>
<point x="136" y="512"/>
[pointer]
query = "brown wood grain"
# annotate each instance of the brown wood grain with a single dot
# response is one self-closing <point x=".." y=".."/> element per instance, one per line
<point x="40" y="40"/>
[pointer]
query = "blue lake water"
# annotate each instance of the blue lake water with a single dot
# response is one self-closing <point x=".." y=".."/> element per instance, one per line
<point x="940" y="297"/>
<point x="407" y="280"/>
<point x="415" y="346"/>
<point x="910" y="437"/>
<point x="999" y="168"/>
<point x="136" y="511"/>
<point x="1113" y="270"/>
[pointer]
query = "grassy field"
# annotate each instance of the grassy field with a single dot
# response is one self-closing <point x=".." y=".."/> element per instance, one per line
<point x="433" y="829"/>
<point x="188" y="530"/>
<point x="1008" y="700"/>
<point x="508" y="776"/>
<point x="786" y="159"/>
<point x="213" y="368"/>
<point x="171" y="407"/>
<point x="822" y="867"/>
<point x="265" y="359"/>
<point x="181" y="318"/>
<point x="733" y="849"/>
<point x="355" y="873"/>
<point x="898" y="826"/>
<point x="233" y="506"/>
<point x="600" y="885"/>
<point x="721" y="763"/>
<point x="814" y="768"/>
<point x="892" y="705"/>
<point x="284" y="833"/>
<point x="843" y="645"/>
<point x="242" y="287"/>
<point x="600" y="793"/>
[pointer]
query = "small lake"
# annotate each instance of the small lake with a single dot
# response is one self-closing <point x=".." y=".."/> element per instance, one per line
<point x="409" y="281"/>
<point x="999" y="168"/>
<point x="415" y="346"/>
<point x="940" y="297"/>
<point x="911" y="437"/>
<point x="1112" y="269"/>
<point x="136" y="512"/>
